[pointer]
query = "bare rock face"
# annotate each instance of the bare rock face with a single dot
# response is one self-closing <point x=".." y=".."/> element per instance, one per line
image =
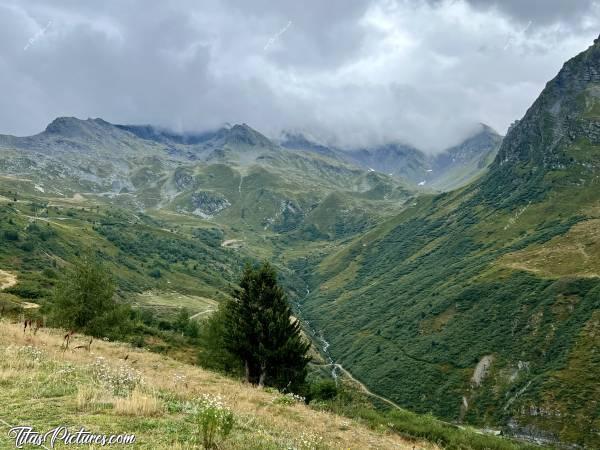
<point x="207" y="204"/>
<point x="183" y="179"/>
<point x="557" y="118"/>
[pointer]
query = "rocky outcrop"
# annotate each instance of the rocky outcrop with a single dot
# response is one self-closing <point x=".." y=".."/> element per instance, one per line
<point x="206" y="204"/>
<point x="556" y="118"/>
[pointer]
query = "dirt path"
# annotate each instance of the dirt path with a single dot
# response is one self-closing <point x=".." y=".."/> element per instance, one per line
<point x="7" y="279"/>
<point x="201" y="313"/>
<point x="364" y="388"/>
<point x="232" y="243"/>
<point x="44" y="219"/>
<point x="29" y="305"/>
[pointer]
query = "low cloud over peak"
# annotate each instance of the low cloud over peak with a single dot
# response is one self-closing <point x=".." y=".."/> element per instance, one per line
<point x="351" y="73"/>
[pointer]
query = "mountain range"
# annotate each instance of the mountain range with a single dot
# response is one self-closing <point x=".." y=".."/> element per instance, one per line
<point x="304" y="187"/>
<point x="443" y="171"/>
<point x="464" y="284"/>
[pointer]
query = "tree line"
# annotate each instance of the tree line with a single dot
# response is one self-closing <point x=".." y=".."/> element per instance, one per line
<point x="252" y="335"/>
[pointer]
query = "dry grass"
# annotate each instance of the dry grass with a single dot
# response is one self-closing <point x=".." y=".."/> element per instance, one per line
<point x="138" y="404"/>
<point x="261" y="423"/>
<point x="577" y="253"/>
<point x="87" y="397"/>
<point x="7" y="279"/>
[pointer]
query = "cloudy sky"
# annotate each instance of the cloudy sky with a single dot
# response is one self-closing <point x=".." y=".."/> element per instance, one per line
<point x="349" y="72"/>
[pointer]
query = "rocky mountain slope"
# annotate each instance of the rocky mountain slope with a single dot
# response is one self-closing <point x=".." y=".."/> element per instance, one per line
<point x="483" y="304"/>
<point x="231" y="175"/>
<point x="452" y="168"/>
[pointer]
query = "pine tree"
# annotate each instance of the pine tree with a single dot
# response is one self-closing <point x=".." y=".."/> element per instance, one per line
<point x="261" y="332"/>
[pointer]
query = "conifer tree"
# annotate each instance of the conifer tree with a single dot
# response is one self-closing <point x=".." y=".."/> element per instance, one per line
<point x="261" y="332"/>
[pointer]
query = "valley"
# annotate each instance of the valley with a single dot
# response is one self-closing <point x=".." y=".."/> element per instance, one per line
<point x="464" y="285"/>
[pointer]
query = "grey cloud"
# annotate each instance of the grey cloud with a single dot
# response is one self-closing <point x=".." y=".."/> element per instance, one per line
<point x="353" y="73"/>
<point x="542" y="11"/>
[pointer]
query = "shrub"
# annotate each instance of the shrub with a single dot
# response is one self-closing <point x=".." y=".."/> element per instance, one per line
<point x="10" y="235"/>
<point x="323" y="390"/>
<point x="26" y="289"/>
<point x="288" y="399"/>
<point x="27" y="246"/>
<point x="215" y="420"/>
<point x="155" y="273"/>
<point x="121" y="381"/>
<point x="83" y="300"/>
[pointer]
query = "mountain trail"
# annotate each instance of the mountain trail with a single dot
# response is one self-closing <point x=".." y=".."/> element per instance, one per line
<point x="363" y="387"/>
<point x="370" y="393"/>
<point x="201" y="313"/>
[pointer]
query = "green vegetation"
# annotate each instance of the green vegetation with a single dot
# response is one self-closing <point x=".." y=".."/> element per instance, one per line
<point x="350" y="403"/>
<point x="83" y="301"/>
<point x="478" y="306"/>
<point x="470" y="305"/>
<point x="215" y="422"/>
<point x="165" y="403"/>
<point x="257" y="329"/>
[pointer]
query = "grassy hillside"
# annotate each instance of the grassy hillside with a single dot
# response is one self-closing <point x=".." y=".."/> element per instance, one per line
<point x="41" y="235"/>
<point x="234" y="176"/>
<point x="115" y="388"/>
<point x="153" y="397"/>
<point x="481" y="305"/>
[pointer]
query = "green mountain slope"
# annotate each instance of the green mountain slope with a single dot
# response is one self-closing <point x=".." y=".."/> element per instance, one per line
<point x="234" y="175"/>
<point x="471" y="304"/>
<point x="461" y="164"/>
<point x="169" y="212"/>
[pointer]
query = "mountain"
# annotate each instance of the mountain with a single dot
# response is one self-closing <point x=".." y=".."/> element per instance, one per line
<point x="396" y="159"/>
<point x="233" y="175"/>
<point x="461" y="164"/>
<point x="297" y="141"/>
<point x="452" y="168"/>
<point x="168" y="211"/>
<point x="181" y="247"/>
<point x="482" y="305"/>
<point x="479" y="305"/>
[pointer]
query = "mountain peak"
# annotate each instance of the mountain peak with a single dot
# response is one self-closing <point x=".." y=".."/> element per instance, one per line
<point x="72" y="126"/>
<point x="296" y="140"/>
<point x="563" y="113"/>
<point x="485" y="128"/>
<point x="246" y="135"/>
<point x="60" y="124"/>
